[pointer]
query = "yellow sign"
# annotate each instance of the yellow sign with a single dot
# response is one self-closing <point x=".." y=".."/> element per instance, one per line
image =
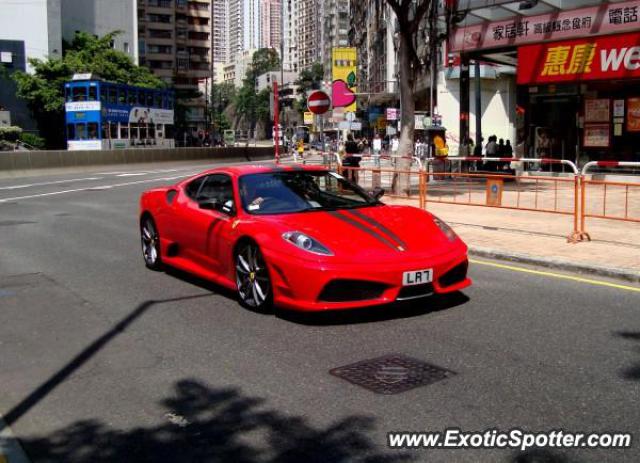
<point x="562" y="60"/>
<point x="308" y="118"/>
<point x="344" y="61"/>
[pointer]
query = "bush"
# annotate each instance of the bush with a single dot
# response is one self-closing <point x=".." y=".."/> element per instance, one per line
<point x="33" y="140"/>
<point x="10" y="133"/>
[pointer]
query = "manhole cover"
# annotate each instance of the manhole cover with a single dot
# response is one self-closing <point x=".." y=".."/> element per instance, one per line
<point x="391" y="374"/>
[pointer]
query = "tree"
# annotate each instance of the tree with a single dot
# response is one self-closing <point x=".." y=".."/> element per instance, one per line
<point x="255" y="106"/>
<point x="44" y="89"/>
<point x="308" y="79"/>
<point x="410" y="15"/>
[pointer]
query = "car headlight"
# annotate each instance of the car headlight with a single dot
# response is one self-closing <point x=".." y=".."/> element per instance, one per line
<point x="306" y="243"/>
<point x="446" y="229"/>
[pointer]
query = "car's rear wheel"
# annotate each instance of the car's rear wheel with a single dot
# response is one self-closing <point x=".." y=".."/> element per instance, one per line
<point x="252" y="278"/>
<point x="150" y="243"/>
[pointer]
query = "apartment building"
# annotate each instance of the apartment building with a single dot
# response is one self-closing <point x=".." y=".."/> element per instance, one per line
<point x="175" y="43"/>
<point x="244" y="27"/>
<point x="290" y="35"/>
<point x="334" y="30"/>
<point x="308" y="33"/>
<point x="220" y="33"/>
<point x="270" y="24"/>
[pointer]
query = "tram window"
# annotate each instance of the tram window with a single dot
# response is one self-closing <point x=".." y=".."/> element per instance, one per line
<point x="67" y="94"/>
<point x="133" y="131"/>
<point x="158" y="97"/>
<point x="71" y="131"/>
<point x="122" y="96"/>
<point x="149" y="99"/>
<point x="92" y="129"/>
<point x="160" y="131"/>
<point x="103" y="94"/>
<point x="169" y="131"/>
<point x="152" y="131"/>
<point x="124" y="132"/>
<point x="81" y="131"/>
<point x="143" y="131"/>
<point x="113" y="95"/>
<point x="141" y="97"/>
<point x="113" y="130"/>
<point x="133" y="96"/>
<point x="79" y="93"/>
<point x="93" y="93"/>
<point x="105" y="131"/>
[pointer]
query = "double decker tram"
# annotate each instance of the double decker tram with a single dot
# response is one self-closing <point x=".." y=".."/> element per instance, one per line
<point x="104" y="115"/>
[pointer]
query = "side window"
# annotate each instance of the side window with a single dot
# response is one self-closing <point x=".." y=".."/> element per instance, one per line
<point x="194" y="187"/>
<point x="220" y="188"/>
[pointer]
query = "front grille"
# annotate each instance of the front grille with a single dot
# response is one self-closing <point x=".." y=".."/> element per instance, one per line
<point x="414" y="292"/>
<point x="455" y="275"/>
<point x="351" y="291"/>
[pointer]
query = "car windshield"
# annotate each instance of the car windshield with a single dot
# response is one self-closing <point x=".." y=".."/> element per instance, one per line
<point x="300" y="191"/>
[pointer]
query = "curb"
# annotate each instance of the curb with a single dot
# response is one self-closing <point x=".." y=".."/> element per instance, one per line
<point x="608" y="272"/>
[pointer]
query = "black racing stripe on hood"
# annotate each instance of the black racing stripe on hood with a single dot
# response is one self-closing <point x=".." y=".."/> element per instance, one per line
<point x="363" y="228"/>
<point x="378" y="225"/>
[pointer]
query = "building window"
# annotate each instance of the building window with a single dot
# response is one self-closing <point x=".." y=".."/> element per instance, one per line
<point x="125" y="47"/>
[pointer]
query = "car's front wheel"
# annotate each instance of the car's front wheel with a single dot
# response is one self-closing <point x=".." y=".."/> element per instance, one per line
<point x="150" y="243"/>
<point x="252" y="278"/>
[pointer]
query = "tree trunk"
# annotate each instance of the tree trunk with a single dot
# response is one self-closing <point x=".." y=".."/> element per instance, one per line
<point x="401" y="184"/>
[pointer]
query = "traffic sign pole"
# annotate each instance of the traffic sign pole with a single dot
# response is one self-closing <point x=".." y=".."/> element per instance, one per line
<point x="276" y="121"/>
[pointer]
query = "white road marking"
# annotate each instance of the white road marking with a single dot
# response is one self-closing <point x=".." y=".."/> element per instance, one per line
<point x="136" y="174"/>
<point x="57" y="182"/>
<point x="95" y="188"/>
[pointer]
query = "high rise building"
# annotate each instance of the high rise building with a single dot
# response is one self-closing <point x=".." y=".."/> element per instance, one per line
<point x="270" y="19"/>
<point x="334" y="30"/>
<point x="27" y="30"/>
<point x="100" y="17"/>
<point x="175" y="43"/>
<point x="290" y="35"/>
<point x="220" y="32"/>
<point x="308" y="33"/>
<point x="244" y="27"/>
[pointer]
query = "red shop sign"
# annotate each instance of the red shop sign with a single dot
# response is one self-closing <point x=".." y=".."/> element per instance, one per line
<point x="595" y="58"/>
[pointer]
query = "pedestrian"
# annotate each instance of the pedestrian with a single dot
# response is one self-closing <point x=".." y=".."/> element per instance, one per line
<point x="377" y="148"/>
<point x="352" y="158"/>
<point x="501" y="148"/>
<point x="395" y="144"/>
<point x="491" y="151"/>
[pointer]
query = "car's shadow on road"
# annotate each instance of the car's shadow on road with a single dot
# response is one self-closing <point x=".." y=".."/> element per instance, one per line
<point x="381" y="313"/>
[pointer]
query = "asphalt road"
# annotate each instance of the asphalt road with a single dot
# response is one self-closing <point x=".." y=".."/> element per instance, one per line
<point x="102" y="360"/>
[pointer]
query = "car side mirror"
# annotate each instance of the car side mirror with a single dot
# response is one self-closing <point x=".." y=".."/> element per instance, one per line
<point x="377" y="193"/>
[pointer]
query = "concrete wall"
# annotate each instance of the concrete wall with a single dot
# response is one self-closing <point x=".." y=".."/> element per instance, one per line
<point x="100" y="17"/>
<point x="26" y="160"/>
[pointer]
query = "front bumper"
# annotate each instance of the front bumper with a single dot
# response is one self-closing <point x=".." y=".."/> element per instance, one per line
<point x="298" y="284"/>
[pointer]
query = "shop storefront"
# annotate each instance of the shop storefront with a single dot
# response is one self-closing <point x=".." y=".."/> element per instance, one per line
<point x="578" y="76"/>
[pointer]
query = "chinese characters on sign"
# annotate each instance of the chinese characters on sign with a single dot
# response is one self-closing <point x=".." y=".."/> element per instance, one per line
<point x="597" y="110"/>
<point x="604" y="19"/>
<point x="610" y="57"/>
<point x="597" y="135"/>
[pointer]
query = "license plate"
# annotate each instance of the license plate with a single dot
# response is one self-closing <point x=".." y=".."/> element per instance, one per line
<point x="417" y="277"/>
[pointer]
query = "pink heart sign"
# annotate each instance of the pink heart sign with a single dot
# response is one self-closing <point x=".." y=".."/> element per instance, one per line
<point x="342" y="94"/>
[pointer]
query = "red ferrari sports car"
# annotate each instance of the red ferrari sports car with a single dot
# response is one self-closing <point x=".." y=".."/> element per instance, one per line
<point x="302" y="238"/>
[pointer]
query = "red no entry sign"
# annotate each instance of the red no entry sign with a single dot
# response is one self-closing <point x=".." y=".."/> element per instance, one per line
<point x="319" y="102"/>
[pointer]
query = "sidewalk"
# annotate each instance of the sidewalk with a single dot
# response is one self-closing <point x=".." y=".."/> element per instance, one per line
<point x="541" y="238"/>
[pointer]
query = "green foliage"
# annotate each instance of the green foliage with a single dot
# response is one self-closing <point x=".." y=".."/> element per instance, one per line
<point x="11" y="133"/>
<point x="33" y="140"/>
<point x="222" y="95"/>
<point x="255" y="106"/>
<point x="44" y="89"/>
<point x="221" y="122"/>
<point x="308" y="79"/>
